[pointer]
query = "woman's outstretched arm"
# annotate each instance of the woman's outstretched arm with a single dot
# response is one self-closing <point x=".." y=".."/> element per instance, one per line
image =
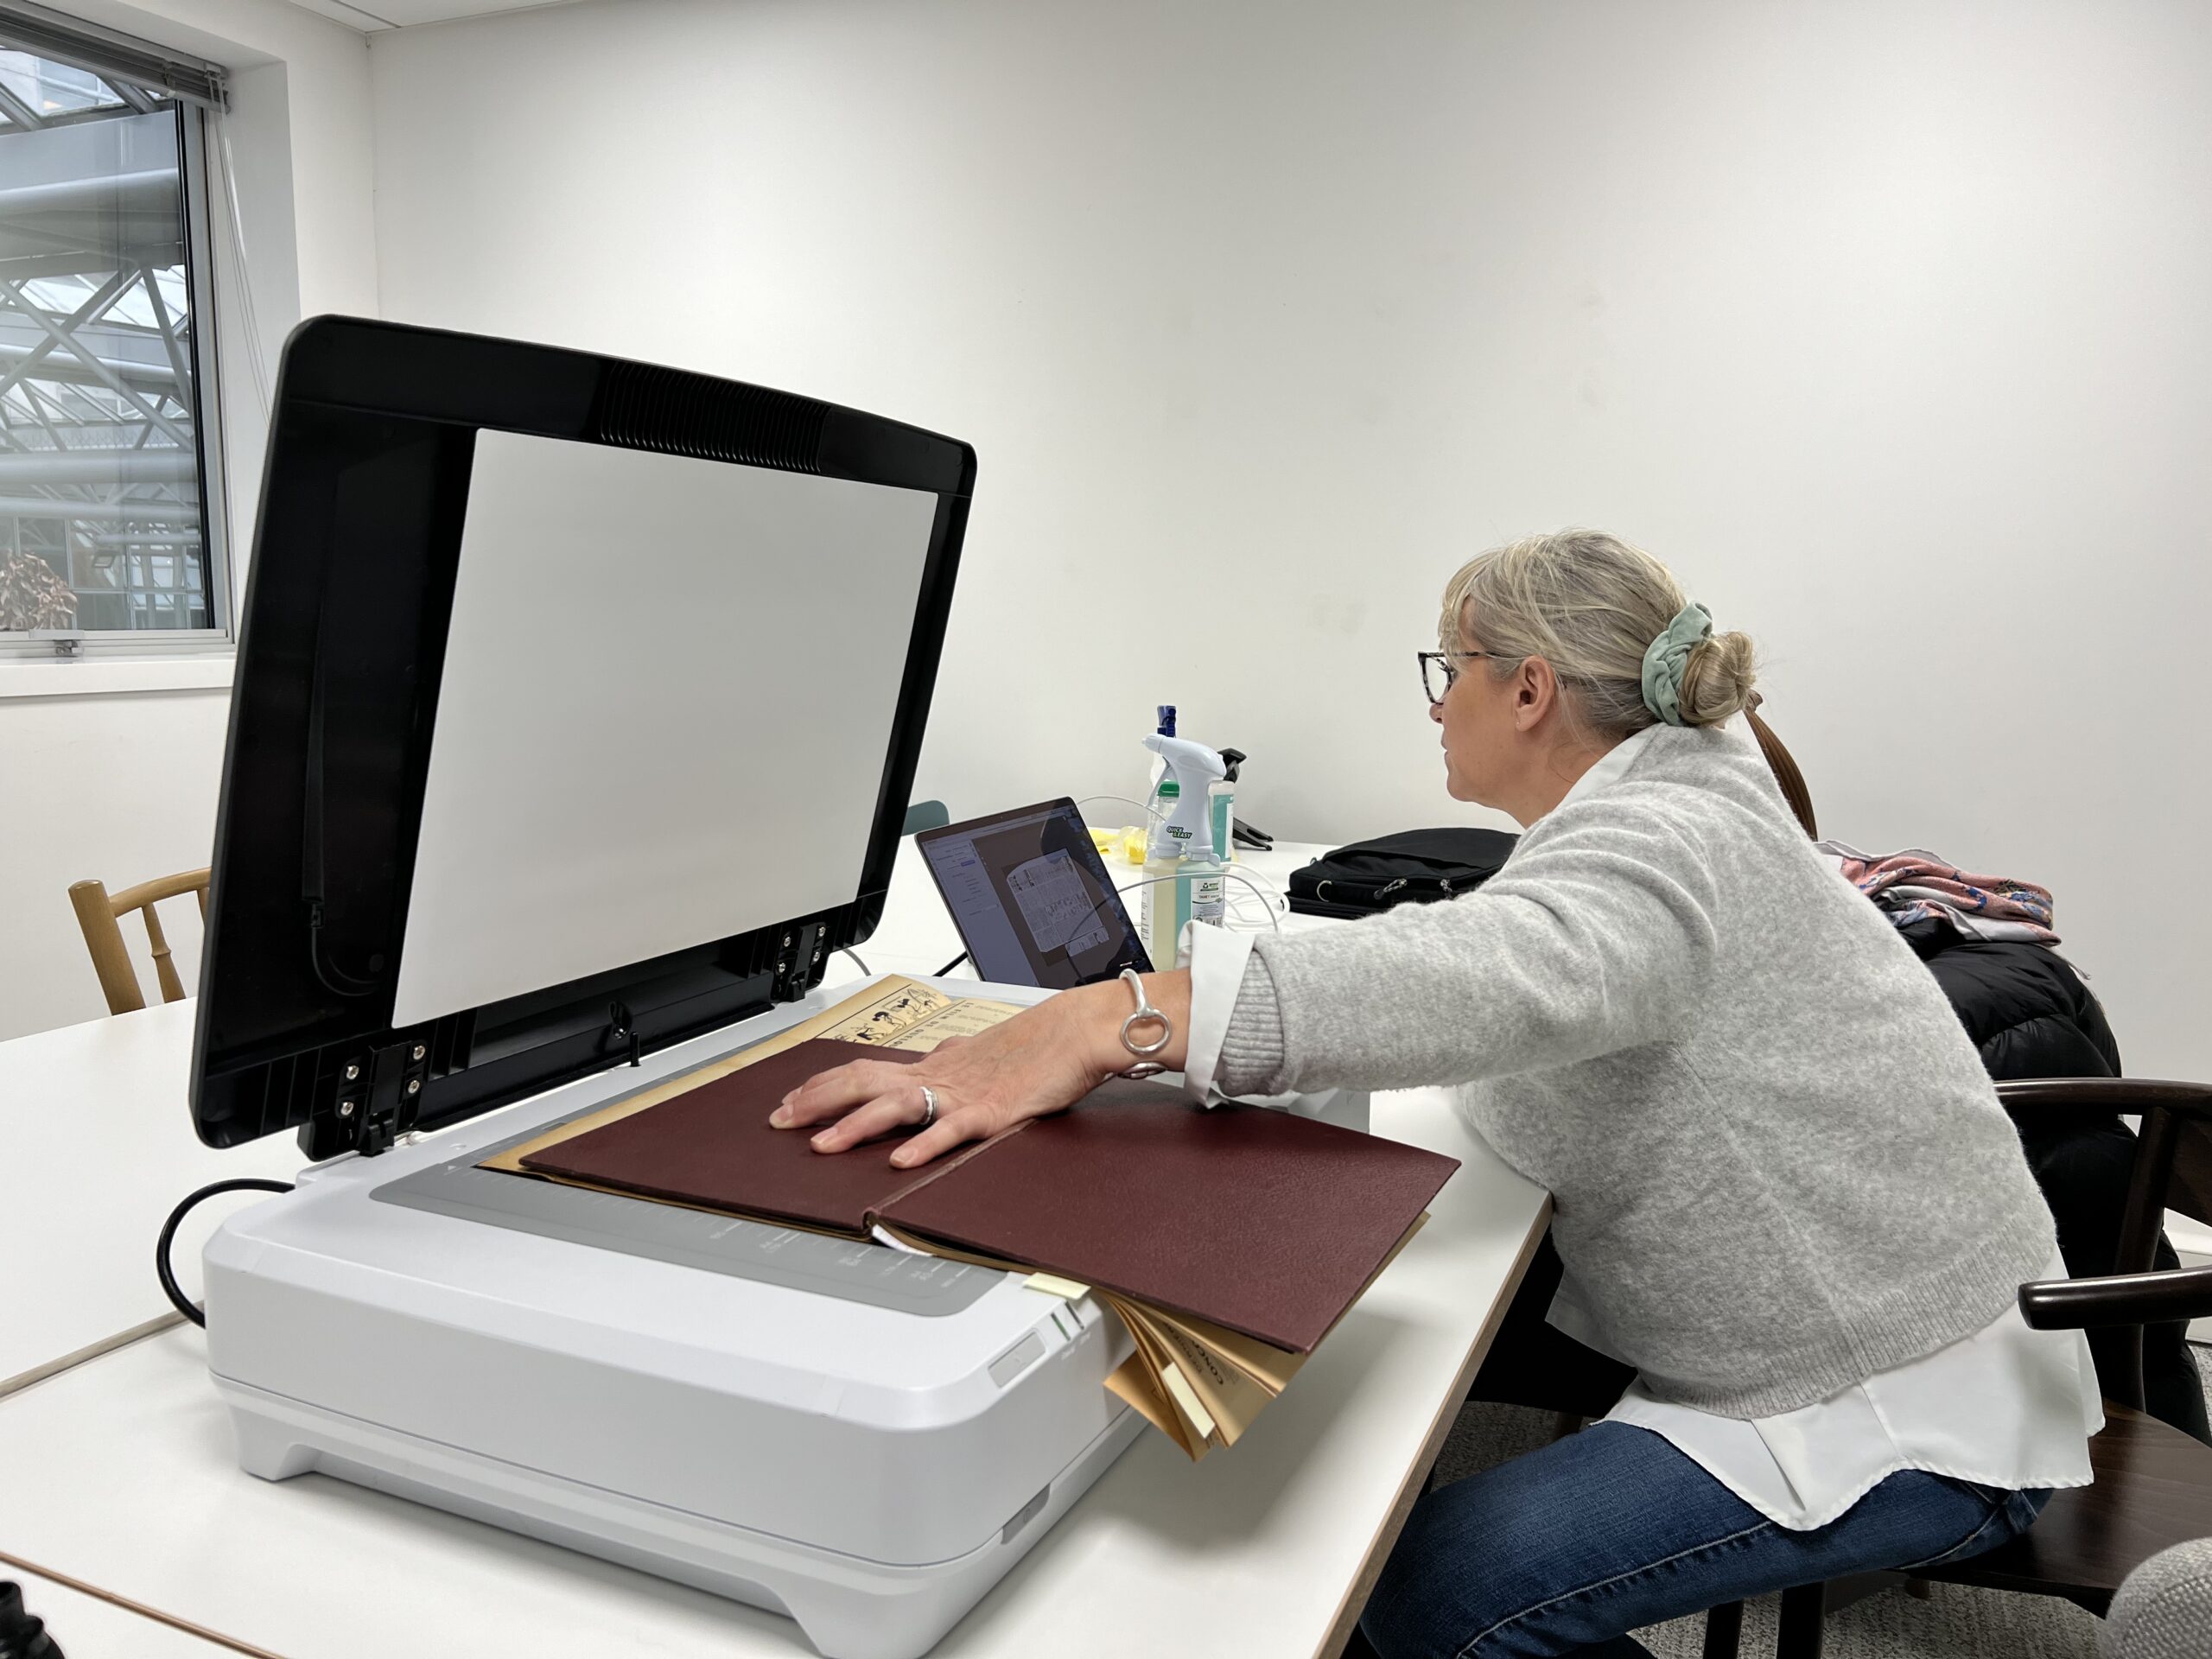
<point x="1043" y="1060"/>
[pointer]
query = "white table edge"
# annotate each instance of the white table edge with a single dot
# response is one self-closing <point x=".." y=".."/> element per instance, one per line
<point x="90" y="1351"/>
<point x="200" y="1632"/>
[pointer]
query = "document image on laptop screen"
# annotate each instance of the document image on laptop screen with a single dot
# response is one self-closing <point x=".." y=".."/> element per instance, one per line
<point x="1032" y="899"/>
<point x="1061" y="915"/>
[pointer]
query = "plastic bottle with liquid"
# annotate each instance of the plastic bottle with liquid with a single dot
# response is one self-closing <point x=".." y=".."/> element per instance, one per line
<point x="1164" y="901"/>
<point x="1183" y="874"/>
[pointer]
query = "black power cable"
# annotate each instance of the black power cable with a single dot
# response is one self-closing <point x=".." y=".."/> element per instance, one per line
<point x="170" y="1289"/>
<point x="940" y="973"/>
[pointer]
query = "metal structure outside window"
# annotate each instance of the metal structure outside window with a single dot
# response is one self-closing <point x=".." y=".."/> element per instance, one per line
<point x="111" y="513"/>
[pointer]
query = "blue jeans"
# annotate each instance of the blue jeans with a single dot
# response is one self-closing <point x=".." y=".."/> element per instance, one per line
<point x="1567" y="1549"/>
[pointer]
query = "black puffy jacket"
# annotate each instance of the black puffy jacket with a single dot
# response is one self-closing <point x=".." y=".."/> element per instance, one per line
<point x="2032" y="1016"/>
<point x="2029" y="1013"/>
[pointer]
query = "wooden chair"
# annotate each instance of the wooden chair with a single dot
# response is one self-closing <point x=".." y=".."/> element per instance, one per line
<point x="99" y="914"/>
<point x="2153" y="1485"/>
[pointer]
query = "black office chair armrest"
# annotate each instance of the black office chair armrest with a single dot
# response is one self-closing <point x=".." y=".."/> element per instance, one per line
<point x="2103" y="1097"/>
<point x="2121" y="1299"/>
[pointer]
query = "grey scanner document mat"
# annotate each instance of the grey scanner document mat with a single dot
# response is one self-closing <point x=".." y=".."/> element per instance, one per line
<point x="874" y="1274"/>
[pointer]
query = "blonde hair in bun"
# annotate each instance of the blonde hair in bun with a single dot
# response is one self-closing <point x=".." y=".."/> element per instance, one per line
<point x="1716" y="680"/>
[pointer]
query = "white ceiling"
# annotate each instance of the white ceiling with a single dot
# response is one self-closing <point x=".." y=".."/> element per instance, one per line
<point x="400" y="14"/>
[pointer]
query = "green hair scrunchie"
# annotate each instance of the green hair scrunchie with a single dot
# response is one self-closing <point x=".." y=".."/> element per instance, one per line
<point x="1665" y="657"/>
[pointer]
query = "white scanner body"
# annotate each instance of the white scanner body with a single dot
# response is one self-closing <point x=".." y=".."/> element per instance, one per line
<point x="862" y="1438"/>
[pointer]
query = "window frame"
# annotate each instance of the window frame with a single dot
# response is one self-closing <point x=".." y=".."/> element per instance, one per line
<point x="219" y="637"/>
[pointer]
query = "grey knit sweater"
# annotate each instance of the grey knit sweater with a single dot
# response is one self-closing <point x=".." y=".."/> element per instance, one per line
<point x="1777" y="1165"/>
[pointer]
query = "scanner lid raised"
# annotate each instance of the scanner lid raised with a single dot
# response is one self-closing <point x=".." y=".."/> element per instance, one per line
<point x="577" y="709"/>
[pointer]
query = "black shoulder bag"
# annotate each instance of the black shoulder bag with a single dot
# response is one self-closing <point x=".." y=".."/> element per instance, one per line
<point x="1414" y="866"/>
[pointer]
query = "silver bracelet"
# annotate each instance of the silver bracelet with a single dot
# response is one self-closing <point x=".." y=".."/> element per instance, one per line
<point x="1146" y="1066"/>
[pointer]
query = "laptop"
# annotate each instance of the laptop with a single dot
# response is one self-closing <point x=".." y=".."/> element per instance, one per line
<point x="1032" y="899"/>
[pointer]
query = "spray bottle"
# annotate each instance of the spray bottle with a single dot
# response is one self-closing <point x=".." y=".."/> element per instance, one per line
<point x="1183" y="869"/>
<point x="1222" y="795"/>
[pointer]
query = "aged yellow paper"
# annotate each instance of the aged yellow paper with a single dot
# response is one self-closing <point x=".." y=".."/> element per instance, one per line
<point x="1052" y="1285"/>
<point x="960" y="1016"/>
<point x="1144" y="1373"/>
<point x="1271" y="1367"/>
<point x="1231" y="1398"/>
<point x="1186" y="1401"/>
<point x="1133" y="1382"/>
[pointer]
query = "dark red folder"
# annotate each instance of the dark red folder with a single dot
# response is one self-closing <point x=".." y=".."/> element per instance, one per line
<point x="1266" y="1223"/>
<point x="712" y="1147"/>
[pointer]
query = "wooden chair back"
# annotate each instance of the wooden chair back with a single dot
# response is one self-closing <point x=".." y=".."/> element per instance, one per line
<point x="2128" y="1298"/>
<point x="99" y="914"/>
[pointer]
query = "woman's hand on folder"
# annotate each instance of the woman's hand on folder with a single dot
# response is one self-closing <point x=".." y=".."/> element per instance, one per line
<point x="1043" y="1060"/>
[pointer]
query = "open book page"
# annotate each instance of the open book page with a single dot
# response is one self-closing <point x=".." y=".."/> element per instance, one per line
<point x="960" y="1016"/>
<point x="894" y="1013"/>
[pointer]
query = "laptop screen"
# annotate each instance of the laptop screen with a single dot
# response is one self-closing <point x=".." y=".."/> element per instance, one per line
<point x="1032" y="899"/>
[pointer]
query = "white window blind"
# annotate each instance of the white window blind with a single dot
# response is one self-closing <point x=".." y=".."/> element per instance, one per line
<point x="111" y="55"/>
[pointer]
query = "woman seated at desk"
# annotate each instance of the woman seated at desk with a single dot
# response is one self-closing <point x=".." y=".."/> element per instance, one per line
<point x="1785" y="1192"/>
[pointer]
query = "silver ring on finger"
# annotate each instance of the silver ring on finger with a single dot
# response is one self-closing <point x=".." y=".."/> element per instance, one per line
<point x="929" y="1106"/>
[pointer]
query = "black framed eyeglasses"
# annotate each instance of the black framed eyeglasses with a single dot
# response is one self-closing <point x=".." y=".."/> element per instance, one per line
<point x="1444" y="666"/>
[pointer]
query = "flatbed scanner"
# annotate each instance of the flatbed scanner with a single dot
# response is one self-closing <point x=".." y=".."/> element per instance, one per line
<point x="578" y="711"/>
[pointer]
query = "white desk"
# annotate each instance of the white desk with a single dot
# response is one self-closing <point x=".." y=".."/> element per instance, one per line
<point x="95" y="1135"/>
<point x="121" y="1472"/>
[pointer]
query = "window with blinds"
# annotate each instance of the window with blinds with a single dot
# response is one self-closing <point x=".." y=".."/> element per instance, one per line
<point x="110" y="507"/>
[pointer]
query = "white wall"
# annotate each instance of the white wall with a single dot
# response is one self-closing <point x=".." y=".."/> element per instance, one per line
<point x="122" y="785"/>
<point x="115" y="785"/>
<point x="1884" y="323"/>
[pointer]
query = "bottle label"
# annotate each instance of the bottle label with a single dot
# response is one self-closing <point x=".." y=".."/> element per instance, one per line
<point x="1209" y="899"/>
